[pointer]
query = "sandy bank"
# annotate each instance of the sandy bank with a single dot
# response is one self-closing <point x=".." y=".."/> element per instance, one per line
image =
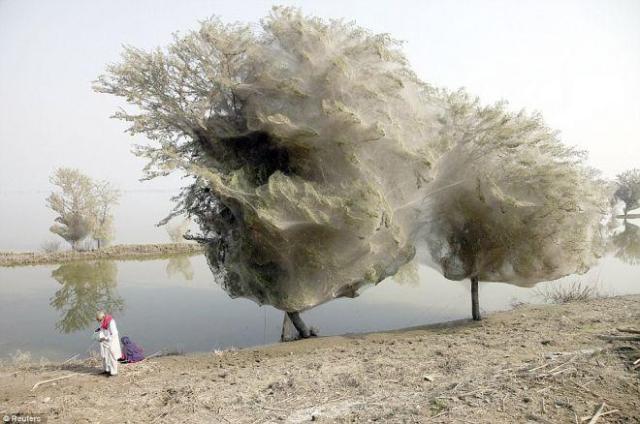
<point x="117" y="252"/>
<point x="534" y="364"/>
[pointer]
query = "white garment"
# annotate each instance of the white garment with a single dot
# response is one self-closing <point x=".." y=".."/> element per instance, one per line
<point x="110" y="350"/>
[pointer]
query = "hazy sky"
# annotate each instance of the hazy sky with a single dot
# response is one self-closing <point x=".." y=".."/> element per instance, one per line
<point x="578" y="62"/>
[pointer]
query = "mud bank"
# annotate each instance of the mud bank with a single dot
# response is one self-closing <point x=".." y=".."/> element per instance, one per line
<point x="117" y="252"/>
<point x="533" y="364"/>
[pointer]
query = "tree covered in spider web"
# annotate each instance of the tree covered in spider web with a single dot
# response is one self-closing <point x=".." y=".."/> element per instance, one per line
<point x="322" y="163"/>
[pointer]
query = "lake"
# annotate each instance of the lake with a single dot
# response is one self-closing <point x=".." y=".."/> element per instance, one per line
<point x="174" y="305"/>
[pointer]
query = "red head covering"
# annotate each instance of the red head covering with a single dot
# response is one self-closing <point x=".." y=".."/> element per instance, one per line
<point x="105" y="322"/>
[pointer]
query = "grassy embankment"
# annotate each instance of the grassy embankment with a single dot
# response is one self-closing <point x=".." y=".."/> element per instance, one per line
<point x="117" y="252"/>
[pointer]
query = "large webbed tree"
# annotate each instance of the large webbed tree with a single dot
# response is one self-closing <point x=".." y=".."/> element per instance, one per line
<point x="301" y="139"/>
<point x="321" y="163"/>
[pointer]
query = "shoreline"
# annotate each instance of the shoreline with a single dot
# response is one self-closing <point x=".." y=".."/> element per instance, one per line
<point x="538" y="363"/>
<point x="116" y="252"/>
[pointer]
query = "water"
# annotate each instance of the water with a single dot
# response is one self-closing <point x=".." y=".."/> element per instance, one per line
<point x="173" y="304"/>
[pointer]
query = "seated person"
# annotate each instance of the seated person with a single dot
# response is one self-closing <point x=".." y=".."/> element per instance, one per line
<point x="131" y="352"/>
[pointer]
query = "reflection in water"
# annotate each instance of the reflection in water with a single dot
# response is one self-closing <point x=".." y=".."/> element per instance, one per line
<point x="627" y="244"/>
<point x="86" y="287"/>
<point x="180" y="265"/>
<point x="150" y="295"/>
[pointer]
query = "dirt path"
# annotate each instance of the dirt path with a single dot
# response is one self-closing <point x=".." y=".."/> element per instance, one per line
<point x="117" y="252"/>
<point x="534" y="364"/>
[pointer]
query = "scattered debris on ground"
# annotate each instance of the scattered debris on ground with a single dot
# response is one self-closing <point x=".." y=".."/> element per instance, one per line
<point x="571" y="363"/>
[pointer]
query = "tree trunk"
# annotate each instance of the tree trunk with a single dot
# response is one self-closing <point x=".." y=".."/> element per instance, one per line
<point x="297" y="322"/>
<point x="289" y="332"/>
<point x="475" y="303"/>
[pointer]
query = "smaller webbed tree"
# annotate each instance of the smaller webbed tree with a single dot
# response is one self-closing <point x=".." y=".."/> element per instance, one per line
<point x="629" y="189"/>
<point x="74" y="204"/>
<point x="106" y="197"/>
<point x="516" y="205"/>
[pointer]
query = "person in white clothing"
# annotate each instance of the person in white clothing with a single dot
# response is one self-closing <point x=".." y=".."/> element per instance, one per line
<point x="110" y="350"/>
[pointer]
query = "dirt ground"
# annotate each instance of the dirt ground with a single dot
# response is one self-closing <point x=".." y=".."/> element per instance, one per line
<point x="545" y="364"/>
<point x="116" y="252"/>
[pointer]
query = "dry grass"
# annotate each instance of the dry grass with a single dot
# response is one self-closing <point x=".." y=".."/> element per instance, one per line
<point x="51" y="246"/>
<point x="575" y="292"/>
<point x="20" y="358"/>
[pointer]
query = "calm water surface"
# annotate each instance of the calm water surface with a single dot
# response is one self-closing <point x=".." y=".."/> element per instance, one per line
<point x="174" y="304"/>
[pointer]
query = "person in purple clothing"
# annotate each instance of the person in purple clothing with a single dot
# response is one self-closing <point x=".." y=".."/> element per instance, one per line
<point x="131" y="352"/>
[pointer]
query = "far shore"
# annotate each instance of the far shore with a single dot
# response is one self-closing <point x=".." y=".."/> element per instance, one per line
<point x="116" y="252"/>
<point x="629" y="216"/>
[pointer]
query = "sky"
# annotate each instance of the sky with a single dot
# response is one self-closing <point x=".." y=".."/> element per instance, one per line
<point x="577" y="62"/>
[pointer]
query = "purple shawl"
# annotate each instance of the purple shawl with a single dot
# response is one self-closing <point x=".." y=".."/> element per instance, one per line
<point x="131" y="351"/>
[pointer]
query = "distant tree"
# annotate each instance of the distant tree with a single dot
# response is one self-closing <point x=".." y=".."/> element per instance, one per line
<point x="84" y="208"/>
<point x="74" y="204"/>
<point x="176" y="230"/>
<point x="106" y="197"/>
<point x="50" y="246"/>
<point x="629" y="189"/>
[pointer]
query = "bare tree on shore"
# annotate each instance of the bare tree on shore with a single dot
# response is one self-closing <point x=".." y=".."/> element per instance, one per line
<point x="106" y="197"/>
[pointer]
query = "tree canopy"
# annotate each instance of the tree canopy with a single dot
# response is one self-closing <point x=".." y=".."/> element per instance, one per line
<point x="322" y="163"/>
<point x="84" y="207"/>
<point x="629" y="189"/>
<point x="74" y="205"/>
